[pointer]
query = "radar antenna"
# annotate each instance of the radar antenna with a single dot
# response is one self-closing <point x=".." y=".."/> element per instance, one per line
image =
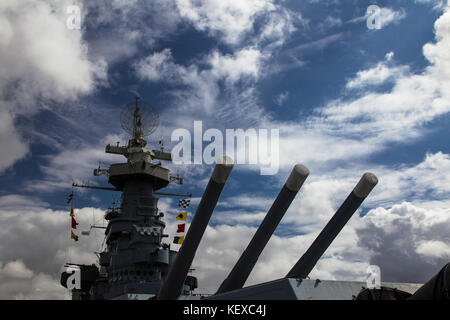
<point x="139" y="119"/>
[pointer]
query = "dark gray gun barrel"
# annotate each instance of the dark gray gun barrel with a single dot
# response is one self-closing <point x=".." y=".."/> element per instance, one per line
<point x="309" y="259"/>
<point x="249" y="257"/>
<point x="173" y="283"/>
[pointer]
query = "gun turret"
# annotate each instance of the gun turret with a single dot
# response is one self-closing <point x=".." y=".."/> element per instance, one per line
<point x="309" y="259"/>
<point x="437" y="288"/>
<point x="249" y="257"/>
<point x="172" y="284"/>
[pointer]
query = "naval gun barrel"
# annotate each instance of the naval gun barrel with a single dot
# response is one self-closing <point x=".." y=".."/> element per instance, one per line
<point x="309" y="259"/>
<point x="249" y="257"/>
<point x="173" y="283"/>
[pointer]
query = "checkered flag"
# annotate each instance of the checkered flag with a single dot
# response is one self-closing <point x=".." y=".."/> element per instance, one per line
<point x="184" y="203"/>
<point x="70" y="198"/>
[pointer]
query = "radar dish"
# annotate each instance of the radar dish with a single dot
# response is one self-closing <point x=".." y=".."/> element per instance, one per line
<point x="139" y="119"/>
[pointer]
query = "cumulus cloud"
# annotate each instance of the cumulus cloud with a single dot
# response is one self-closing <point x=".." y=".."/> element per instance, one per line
<point x="36" y="245"/>
<point x="408" y="243"/>
<point x="229" y="19"/>
<point x="18" y="282"/>
<point x="160" y="66"/>
<point x="434" y="249"/>
<point x="41" y="54"/>
<point x="245" y="62"/>
<point x="196" y="89"/>
<point x="42" y="60"/>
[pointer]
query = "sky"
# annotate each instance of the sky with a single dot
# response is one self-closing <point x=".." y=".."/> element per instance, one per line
<point x="348" y="91"/>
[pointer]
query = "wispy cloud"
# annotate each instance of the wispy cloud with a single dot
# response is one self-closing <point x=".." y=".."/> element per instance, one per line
<point x="379" y="74"/>
<point x="315" y="45"/>
<point x="199" y="91"/>
<point x="281" y="98"/>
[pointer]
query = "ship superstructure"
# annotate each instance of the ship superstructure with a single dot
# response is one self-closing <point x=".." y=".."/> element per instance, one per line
<point x="135" y="259"/>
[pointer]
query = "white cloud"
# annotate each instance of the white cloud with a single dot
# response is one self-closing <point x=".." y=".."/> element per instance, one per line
<point x="247" y="201"/>
<point x="229" y="19"/>
<point x="332" y="22"/>
<point x="377" y="75"/>
<point x="239" y="217"/>
<point x="41" y="60"/>
<point x="434" y="249"/>
<point x="438" y="4"/>
<point x="387" y="16"/>
<point x="10" y="141"/>
<point x="380" y="17"/>
<point x="74" y="164"/>
<point x="315" y="44"/>
<point x="17" y="281"/>
<point x="196" y="89"/>
<point x="13" y="201"/>
<point x="278" y="26"/>
<point x="324" y="190"/>
<point x="281" y="98"/>
<point x="245" y="62"/>
<point x="36" y="244"/>
<point x="408" y="242"/>
<point x="354" y="128"/>
<point x="430" y="178"/>
<point x="160" y="66"/>
<point x="16" y="269"/>
<point x="42" y="54"/>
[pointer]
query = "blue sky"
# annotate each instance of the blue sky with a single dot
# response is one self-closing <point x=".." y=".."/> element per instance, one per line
<point x="345" y="98"/>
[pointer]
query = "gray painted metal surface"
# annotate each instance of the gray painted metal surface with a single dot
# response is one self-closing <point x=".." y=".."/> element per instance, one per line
<point x="309" y="259"/>
<point x="249" y="257"/>
<point x="305" y="289"/>
<point x="172" y="284"/>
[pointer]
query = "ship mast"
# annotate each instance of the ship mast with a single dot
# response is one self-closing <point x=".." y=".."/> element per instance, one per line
<point x="135" y="260"/>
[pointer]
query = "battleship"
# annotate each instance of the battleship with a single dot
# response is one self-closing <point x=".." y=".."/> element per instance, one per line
<point x="137" y="265"/>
